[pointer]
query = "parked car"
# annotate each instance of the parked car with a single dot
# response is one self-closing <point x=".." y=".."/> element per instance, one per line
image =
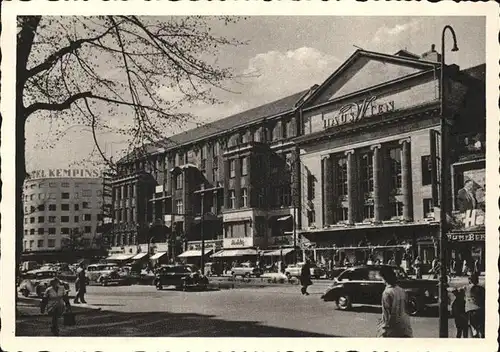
<point x="294" y="270"/>
<point x="95" y="271"/>
<point x="180" y="276"/>
<point x="364" y="285"/>
<point x="114" y="277"/>
<point x="37" y="281"/>
<point x="246" y="270"/>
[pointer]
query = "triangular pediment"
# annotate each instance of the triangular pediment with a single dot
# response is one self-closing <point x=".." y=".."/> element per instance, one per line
<point x="363" y="71"/>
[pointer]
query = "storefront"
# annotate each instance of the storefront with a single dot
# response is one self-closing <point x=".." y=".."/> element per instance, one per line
<point x="193" y="253"/>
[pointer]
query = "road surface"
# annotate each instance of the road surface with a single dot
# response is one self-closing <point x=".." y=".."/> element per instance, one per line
<point x="276" y="311"/>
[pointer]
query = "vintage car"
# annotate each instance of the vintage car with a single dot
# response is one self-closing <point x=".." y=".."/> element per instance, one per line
<point x="95" y="271"/>
<point x="37" y="281"/>
<point x="115" y="277"/>
<point x="181" y="276"/>
<point x="294" y="270"/>
<point x="246" y="270"/>
<point x="364" y="285"/>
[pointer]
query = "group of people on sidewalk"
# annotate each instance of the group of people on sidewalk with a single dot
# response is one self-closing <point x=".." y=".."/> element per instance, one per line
<point x="468" y="308"/>
<point x="56" y="302"/>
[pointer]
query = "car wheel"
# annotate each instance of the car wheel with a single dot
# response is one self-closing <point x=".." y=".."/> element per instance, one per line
<point x="344" y="302"/>
<point x="413" y="306"/>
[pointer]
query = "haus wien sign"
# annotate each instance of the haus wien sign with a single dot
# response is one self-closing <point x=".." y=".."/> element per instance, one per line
<point x="354" y="112"/>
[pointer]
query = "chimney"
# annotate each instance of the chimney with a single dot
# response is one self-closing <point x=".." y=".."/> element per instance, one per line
<point x="432" y="55"/>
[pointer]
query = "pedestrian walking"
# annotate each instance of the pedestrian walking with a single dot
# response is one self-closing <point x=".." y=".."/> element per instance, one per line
<point x="80" y="285"/>
<point x="395" y="321"/>
<point x="418" y="267"/>
<point x="476" y="267"/>
<point x="55" y="301"/>
<point x="305" y="277"/>
<point x="465" y="268"/>
<point x="475" y="305"/>
<point x="459" y="314"/>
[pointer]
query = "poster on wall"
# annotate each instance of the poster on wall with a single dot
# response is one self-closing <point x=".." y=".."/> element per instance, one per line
<point x="469" y="197"/>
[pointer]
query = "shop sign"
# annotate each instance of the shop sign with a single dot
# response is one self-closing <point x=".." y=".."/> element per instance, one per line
<point x="354" y="112"/>
<point x="238" y="242"/>
<point x="54" y="173"/>
<point x="466" y="237"/>
<point x="208" y="245"/>
<point x="470" y="201"/>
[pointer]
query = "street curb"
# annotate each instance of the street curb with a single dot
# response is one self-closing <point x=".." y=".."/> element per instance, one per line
<point x="91" y="311"/>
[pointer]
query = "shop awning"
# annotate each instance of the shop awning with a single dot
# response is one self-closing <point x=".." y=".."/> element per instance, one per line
<point x="158" y="255"/>
<point x="279" y="252"/>
<point x="193" y="253"/>
<point x="234" y="253"/>
<point x="120" y="256"/>
<point x="139" y="256"/>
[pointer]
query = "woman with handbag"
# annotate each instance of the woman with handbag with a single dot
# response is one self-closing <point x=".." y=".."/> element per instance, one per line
<point x="55" y="301"/>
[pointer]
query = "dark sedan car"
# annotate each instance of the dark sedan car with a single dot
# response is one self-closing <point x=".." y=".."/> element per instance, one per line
<point x="180" y="276"/>
<point x="364" y="285"/>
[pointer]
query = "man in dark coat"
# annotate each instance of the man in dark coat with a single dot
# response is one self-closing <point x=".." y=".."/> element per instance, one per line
<point x="305" y="277"/>
<point x="80" y="285"/>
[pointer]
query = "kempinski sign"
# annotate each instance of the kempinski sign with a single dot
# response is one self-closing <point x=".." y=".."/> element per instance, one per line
<point x="55" y="173"/>
<point x="354" y="112"/>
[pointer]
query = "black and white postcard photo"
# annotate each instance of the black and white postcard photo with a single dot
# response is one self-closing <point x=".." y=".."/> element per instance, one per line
<point x="193" y="172"/>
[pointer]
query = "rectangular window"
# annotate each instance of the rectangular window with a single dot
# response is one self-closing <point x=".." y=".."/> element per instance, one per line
<point x="179" y="181"/>
<point x="244" y="197"/>
<point x="32" y="196"/>
<point x="52" y="207"/>
<point x="41" y="219"/>
<point x="64" y="230"/>
<point x="77" y="185"/>
<point x="32" y="220"/>
<point x="40" y="243"/>
<point x="65" y="207"/>
<point x="396" y="209"/>
<point x="215" y="149"/>
<point x="41" y="196"/>
<point x="341" y="184"/>
<point x="395" y="170"/>
<point x="32" y="209"/>
<point x="51" y="243"/>
<point x="87" y="217"/>
<point x="343" y="214"/>
<point x="77" y="207"/>
<point x="52" y="230"/>
<point x="87" y="229"/>
<point x="52" y="196"/>
<point x="76" y="218"/>
<point x="41" y="185"/>
<point x="65" y="195"/>
<point x="32" y="231"/>
<point x="32" y="244"/>
<point x="311" y="186"/>
<point x="368" y="212"/>
<point x="41" y="207"/>
<point x="52" y="185"/>
<point x="87" y="193"/>
<point x="244" y="166"/>
<point x="65" y="184"/>
<point x="232" y="168"/>
<point x="85" y="205"/>
<point x="428" y="208"/>
<point x="232" y="199"/>
<point x="25" y="220"/>
<point x="367" y="172"/>
<point x="64" y="218"/>
<point x="178" y="206"/>
<point x="41" y="231"/>
<point x="311" y="217"/>
<point x="215" y="175"/>
<point x="52" y="219"/>
<point x="125" y="215"/>
<point x="426" y="170"/>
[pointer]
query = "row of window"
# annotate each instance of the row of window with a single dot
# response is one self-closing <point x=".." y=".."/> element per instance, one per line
<point x="64" y="218"/>
<point x="243" y="198"/>
<point x="53" y="230"/>
<point x="51" y="243"/>
<point x="86" y="193"/>
<point x="243" y="167"/>
<point x="53" y="207"/>
<point x="125" y="215"/>
<point x="54" y="185"/>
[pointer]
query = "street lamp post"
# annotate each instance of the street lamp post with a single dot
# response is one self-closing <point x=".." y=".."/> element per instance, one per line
<point x="202" y="236"/>
<point x="443" y="294"/>
<point x="295" y="252"/>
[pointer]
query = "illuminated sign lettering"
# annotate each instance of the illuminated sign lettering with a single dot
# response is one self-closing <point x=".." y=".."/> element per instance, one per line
<point x="55" y="173"/>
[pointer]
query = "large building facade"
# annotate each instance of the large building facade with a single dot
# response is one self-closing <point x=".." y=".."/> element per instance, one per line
<point x="351" y="162"/>
<point x="61" y="214"/>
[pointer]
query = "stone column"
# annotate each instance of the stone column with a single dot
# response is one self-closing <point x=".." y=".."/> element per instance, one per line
<point x="377" y="173"/>
<point x="351" y="186"/>
<point x="328" y="206"/>
<point x="406" y="180"/>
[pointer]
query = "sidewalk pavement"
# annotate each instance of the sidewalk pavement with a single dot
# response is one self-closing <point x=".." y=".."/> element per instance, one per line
<point x="30" y="307"/>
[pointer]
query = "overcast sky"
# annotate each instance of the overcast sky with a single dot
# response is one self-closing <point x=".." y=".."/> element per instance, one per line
<point x="285" y="55"/>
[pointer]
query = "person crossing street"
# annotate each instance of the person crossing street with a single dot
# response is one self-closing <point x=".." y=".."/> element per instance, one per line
<point x="80" y="285"/>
